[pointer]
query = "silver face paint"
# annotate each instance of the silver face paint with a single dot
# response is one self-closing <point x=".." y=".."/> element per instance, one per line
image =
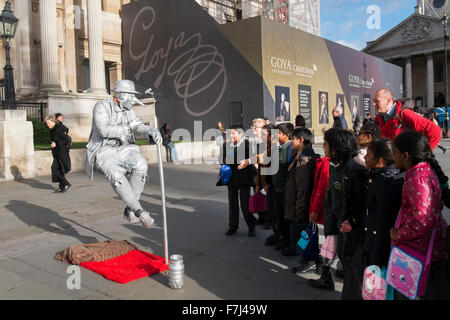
<point x="126" y="100"/>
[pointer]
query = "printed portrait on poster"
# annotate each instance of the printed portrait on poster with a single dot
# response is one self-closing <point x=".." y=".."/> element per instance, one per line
<point x="340" y="102"/>
<point x="305" y="105"/>
<point x="323" y="108"/>
<point x="282" y="104"/>
<point x="354" y="107"/>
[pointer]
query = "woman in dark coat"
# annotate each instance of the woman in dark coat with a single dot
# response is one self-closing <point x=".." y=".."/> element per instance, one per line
<point x="60" y="151"/>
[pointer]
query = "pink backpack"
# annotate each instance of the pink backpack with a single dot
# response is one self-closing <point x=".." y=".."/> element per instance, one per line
<point x="257" y="203"/>
<point x="408" y="269"/>
<point x="375" y="286"/>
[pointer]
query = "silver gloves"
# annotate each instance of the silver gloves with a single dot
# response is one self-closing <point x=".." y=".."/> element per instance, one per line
<point x="156" y="135"/>
<point x="125" y="137"/>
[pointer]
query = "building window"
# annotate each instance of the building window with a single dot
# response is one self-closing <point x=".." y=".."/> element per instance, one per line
<point x="85" y="81"/>
<point x="439" y="72"/>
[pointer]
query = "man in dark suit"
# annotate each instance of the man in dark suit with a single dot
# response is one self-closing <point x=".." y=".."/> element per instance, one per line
<point x="242" y="179"/>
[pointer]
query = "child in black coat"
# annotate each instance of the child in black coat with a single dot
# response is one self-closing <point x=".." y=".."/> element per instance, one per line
<point x="344" y="208"/>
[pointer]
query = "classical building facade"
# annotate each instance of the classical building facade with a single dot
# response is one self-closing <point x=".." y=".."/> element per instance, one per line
<point x="57" y="48"/>
<point x="417" y="45"/>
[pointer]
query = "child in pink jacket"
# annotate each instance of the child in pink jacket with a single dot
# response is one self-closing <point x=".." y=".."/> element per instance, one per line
<point x="421" y="207"/>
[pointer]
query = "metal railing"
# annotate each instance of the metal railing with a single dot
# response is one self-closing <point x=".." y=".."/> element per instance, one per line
<point x="34" y="110"/>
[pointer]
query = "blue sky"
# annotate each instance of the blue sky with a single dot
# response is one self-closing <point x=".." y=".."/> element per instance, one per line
<point x="345" y="21"/>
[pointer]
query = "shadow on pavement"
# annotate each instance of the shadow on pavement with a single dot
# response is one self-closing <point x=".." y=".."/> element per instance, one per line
<point x="31" y="182"/>
<point x="44" y="218"/>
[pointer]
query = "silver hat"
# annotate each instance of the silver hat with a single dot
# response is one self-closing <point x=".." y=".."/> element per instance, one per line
<point x="125" y="86"/>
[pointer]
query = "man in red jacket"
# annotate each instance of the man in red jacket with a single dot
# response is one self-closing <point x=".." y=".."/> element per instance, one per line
<point x="392" y="119"/>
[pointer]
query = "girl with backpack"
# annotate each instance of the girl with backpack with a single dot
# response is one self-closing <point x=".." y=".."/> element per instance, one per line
<point x="384" y="196"/>
<point x="421" y="207"/>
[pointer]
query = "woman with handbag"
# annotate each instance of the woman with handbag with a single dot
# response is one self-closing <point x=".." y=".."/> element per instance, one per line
<point x="420" y="219"/>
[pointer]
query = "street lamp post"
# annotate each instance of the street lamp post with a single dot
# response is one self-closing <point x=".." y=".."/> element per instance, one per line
<point x="444" y="21"/>
<point x="8" y="26"/>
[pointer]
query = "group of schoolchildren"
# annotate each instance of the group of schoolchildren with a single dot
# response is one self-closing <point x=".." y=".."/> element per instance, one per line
<point x="355" y="191"/>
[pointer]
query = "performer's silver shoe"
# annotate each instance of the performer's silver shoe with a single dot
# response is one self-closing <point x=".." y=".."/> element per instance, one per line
<point x="146" y="220"/>
<point x="129" y="215"/>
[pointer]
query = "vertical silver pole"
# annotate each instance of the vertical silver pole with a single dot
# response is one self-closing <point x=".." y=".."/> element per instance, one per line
<point x="163" y="190"/>
<point x="163" y="199"/>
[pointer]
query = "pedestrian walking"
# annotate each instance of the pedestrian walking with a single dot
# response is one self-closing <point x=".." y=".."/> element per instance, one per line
<point x="60" y="151"/>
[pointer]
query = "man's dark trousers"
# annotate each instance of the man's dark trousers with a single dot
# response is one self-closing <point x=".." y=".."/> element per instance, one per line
<point x="236" y="193"/>
<point x="279" y="225"/>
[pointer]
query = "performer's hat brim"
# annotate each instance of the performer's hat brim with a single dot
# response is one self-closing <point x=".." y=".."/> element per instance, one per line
<point x="125" y="86"/>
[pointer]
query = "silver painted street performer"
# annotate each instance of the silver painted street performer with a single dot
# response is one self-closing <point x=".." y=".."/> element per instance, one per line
<point x="112" y="149"/>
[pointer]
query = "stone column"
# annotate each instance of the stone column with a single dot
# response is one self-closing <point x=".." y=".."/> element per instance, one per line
<point x="96" y="61"/>
<point x="430" y="80"/>
<point x="25" y="63"/>
<point x="115" y="73"/>
<point x="408" y="77"/>
<point x="49" y="46"/>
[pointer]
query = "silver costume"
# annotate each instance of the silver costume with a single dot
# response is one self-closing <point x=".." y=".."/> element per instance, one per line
<point x="112" y="149"/>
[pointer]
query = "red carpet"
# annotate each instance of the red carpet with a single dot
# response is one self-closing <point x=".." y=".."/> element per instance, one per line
<point x="128" y="267"/>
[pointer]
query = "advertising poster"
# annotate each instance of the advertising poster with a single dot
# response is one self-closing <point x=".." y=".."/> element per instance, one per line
<point x="282" y="104"/>
<point x="304" y="100"/>
<point x="340" y="102"/>
<point x="354" y="106"/>
<point x="323" y="108"/>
